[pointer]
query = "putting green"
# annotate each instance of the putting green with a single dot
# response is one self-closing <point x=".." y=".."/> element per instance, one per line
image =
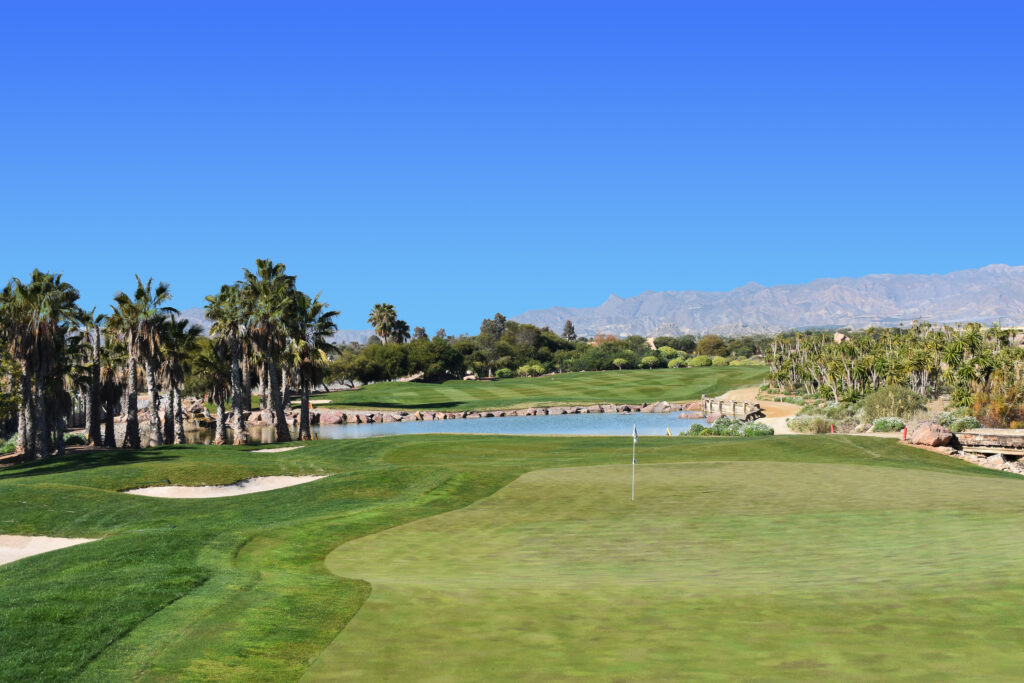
<point x="719" y="569"/>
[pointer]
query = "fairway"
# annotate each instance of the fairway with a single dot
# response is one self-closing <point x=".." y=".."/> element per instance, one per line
<point x="468" y="557"/>
<point x="718" y="569"/>
<point x="576" y="388"/>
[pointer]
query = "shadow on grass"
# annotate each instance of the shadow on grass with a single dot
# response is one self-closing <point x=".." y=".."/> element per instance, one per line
<point x="393" y="405"/>
<point x="81" y="461"/>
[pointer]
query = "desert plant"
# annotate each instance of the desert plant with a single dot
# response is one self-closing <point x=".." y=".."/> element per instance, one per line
<point x="809" y="424"/>
<point x="893" y="400"/>
<point x="887" y="424"/>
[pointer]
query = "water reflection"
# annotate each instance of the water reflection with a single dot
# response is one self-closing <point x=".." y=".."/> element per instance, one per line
<point x="590" y="424"/>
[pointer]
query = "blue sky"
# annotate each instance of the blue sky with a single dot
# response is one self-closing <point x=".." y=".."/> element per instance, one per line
<point x="462" y="158"/>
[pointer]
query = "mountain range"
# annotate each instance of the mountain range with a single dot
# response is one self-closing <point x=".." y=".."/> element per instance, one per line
<point x="995" y="292"/>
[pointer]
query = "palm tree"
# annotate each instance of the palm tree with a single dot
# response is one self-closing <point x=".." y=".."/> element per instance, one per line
<point x="91" y="334"/>
<point x="34" y="321"/>
<point x="137" y="321"/>
<point x="228" y="312"/>
<point x="400" y="332"/>
<point x="181" y="339"/>
<point x="215" y="370"/>
<point x="383" y="318"/>
<point x="270" y="293"/>
<point x="312" y="326"/>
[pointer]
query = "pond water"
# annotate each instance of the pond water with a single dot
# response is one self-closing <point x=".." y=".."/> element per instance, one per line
<point x="591" y="424"/>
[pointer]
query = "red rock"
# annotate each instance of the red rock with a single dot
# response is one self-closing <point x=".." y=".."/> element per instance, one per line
<point x="932" y="434"/>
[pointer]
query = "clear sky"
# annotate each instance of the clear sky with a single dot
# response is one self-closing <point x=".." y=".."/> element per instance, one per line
<point x="462" y="158"/>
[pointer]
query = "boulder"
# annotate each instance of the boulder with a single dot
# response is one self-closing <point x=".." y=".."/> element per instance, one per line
<point x="331" y="417"/>
<point x="932" y="434"/>
<point x="839" y="337"/>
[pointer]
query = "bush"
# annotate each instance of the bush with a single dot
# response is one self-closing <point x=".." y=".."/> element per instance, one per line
<point x="727" y="426"/>
<point x="958" y="422"/>
<point x="677" y="363"/>
<point x="9" y="445"/>
<point x="718" y="361"/>
<point x="809" y="424"/>
<point x="698" y="362"/>
<point x="668" y="351"/>
<point x="891" y="401"/>
<point x="757" y="429"/>
<point x="504" y="373"/>
<point x="887" y="424"/>
<point x="74" y="440"/>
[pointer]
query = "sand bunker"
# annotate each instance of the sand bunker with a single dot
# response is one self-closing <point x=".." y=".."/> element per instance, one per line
<point x="16" y="547"/>
<point x="315" y="402"/>
<point x="277" y="450"/>
<point x="239" y="488"/>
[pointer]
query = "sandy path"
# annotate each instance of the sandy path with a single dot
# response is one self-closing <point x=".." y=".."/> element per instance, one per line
<point x="17" y="547"/>
<point x="771" y="408"/>
<point x="239" y="488"/>
<point x="277" y="450"/>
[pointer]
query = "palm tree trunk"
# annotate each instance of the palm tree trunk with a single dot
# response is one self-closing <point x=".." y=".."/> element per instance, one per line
<point x="280" y="421"/>
<point x="93" y="410"/>
<point x="246" y="382"/>
<point x="304" y="431"/>
<point x="156" y="437"/>
<point x="169" y="415"/>
<point x="26" y="426"/>
<point x="58" y="432"/>
<point x="241" y="399"/>
<point x="40" y="419"/>
<point x="286" y="394"/>
<point x="131" y="422"/>
<point x="220" y="436"/>
<point x="179" y="417"/>
<point x="108" y="425"/>
<point x="263" y="386"/>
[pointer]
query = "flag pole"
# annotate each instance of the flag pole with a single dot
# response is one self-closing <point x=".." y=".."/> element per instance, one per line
<point x="632" y="489"/>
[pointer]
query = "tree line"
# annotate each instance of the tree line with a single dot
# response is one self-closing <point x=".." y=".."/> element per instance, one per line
<point x="980" y="368"/>
<point x="264" y="331"/>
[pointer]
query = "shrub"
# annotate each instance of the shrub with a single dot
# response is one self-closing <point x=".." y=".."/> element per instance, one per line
<point x="809" y="424"/>
<point x="698" y="362"/>
<point x="891" y="401"/>
<point x="677" y="363"/>
<point x="887" y="424"/>
<point x="719" y="361"/>
<point x="958" y="422"/>
<point x="530" y="370"/>
<point x="9" y="445"/>
<point x="757" y="429"/>
<point x="696" y="429"/>
<point x="504" y="373"/>
<point x="668" y="351"/>
<point x="74" y="440"/>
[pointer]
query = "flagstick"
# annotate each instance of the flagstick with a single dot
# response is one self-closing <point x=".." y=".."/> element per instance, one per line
<point x="632" y="490"/>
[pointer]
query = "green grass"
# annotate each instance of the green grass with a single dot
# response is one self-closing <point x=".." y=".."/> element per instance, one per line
<point x="577" y="388"/>
<point x="785" y="557"/>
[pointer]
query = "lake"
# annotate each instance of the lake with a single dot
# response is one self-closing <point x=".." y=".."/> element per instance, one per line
<point x="590" y="424"/>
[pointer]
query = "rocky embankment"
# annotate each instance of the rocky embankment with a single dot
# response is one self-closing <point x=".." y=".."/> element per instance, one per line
<point x="937" y="438"/>
<point x="328" y="416"/>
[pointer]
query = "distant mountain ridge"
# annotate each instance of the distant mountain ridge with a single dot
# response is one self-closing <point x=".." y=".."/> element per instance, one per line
<point x="994" y="292"/>
<point x="197" y="316"/>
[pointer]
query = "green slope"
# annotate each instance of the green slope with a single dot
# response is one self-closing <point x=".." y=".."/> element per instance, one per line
<point x="577" y="388"/>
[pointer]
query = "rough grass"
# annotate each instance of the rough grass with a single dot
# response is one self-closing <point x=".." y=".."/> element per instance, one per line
<point x="577" y="388"/>
<point x="237" y="589"/>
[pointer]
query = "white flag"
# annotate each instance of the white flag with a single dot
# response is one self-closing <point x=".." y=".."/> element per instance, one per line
<point x="634" y="433"/>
